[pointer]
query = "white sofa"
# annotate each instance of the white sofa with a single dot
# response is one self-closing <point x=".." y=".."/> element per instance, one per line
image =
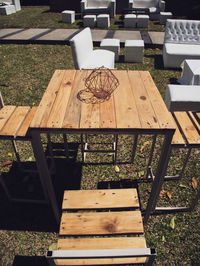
<point x="154" y="6"/>
<point x="98" y="7"/>
<point x="85" y="57"/>
<point x="181" y="41"/>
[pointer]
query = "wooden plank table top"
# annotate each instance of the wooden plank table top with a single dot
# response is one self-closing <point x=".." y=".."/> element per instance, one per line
<point x="136" y="104"/>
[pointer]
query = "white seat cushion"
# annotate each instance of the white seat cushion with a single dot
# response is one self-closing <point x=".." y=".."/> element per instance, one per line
<point x="182" y="98"/>
<point x="182" y="49"/>
<point x="99" y="58"/>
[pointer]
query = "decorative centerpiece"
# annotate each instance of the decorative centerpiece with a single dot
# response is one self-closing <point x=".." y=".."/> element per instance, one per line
<point x="101" y="82"/>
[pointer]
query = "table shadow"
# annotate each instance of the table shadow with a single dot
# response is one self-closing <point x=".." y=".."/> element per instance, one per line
<point x="30" y="261"/>
<point x="34" y="216"/>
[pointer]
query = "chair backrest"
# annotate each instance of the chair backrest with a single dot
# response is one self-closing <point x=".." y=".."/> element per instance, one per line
<point x="182" y="31"/>
<point x="82" y="46"/>
<point x="145" y="3"/>
<point x="98" y="3"/>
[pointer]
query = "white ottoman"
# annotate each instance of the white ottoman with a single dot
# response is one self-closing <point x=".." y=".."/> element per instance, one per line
<point x="7" y="10"/>
<point x="182" y="98"/>
<point x="103" y="21"/>
<point x="130" y="21"/>
<point x="142" y="21"/>
<point x="68" y="16"/>
<point x="111" y="45"/>
<point x="164" y="16"/>
<point x="89" y="21"/>
<point x="134" y="50"/>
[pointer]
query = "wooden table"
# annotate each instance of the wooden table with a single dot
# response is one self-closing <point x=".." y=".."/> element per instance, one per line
<point x="135" y="107"/>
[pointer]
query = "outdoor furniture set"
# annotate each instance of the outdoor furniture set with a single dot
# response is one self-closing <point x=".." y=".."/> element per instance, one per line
<point x="136" y="21"/>
<point x="86" y="58"/>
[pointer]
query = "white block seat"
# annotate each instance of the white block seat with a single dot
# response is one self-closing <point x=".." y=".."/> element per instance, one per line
<point x="142" y="21"/>
<point x="130" y="21"/>
<point x="68" y="16"/>
<point x="7" y="9"/>
<point x="106" y="213"/>
<point x="89" y="21"/>
<point x="111" y="45"/>
<point x="85" y="57"/>
<point x="182" y="98"/>
<point x="134" y="50"/>
<point x="103" y="21"/>
<point x="164" y="16"/>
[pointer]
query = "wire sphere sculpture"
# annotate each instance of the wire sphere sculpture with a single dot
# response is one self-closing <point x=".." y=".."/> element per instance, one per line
<point x="101" y="82"/>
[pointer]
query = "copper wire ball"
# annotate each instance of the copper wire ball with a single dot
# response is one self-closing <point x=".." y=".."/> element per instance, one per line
<point x="101" y="82"/>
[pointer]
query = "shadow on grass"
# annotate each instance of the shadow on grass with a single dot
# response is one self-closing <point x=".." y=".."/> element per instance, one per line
<point x="34" y="216"/>
<point x="30" y="261"/>
<point x="158" y="61"/>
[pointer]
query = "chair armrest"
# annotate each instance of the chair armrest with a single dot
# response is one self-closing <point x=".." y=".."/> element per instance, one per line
<point x="130" y="4"/>
<point x="112" y="8"/>
<point x="83" y="7"/>
<point x="162" y="5"/>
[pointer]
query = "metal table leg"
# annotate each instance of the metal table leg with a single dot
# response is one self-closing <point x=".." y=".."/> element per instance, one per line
<point x="44" y="173"/>
<point x="159" y="177"/>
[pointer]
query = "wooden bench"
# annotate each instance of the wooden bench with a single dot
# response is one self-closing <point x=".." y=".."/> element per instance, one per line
<point x="187" y="135"/>
<point x="96" y="222"/>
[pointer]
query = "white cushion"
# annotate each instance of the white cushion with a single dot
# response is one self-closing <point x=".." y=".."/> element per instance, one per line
<point x="182" y="98"/>
<point x="99" y="58"/>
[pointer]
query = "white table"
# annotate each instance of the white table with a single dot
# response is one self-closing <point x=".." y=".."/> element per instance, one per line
<point x="190" y="72"/>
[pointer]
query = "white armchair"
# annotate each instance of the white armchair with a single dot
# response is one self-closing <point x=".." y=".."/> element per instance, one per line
<point x="85" y="57"/>
<point x="154" y="6"/>
<point x="98" y="7"/>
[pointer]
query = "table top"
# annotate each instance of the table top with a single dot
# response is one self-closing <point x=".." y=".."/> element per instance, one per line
<point x="136" y="104"/>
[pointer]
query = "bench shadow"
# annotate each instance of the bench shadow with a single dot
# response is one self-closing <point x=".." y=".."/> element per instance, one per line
<point x="34" y="216"/>
<point x="30" y="261"/>
<point x="158" y="61"/>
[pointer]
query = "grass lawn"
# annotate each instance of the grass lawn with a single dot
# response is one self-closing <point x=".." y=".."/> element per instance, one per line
<point x="27" y="230"/>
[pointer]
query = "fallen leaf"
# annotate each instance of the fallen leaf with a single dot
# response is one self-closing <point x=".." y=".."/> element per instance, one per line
<point x="30" y="159"/>
<point x="169" y="195"/>
<point x="162" y="193"/>
<point x="10" y="154"/>
<point x="5" y="163"/>
<point x="144" y="145"/>
<point x="194" y="183"/>
<point x="182" y="185"/>
<point x="53" y="246"/>
<point x="122" y="176"/>
<point x="163" y="238"/>
<point x="141" y="173"/>
<point x="116" y="169"/>
<point x="172" y="223"/>
<point x="30" y="87"/>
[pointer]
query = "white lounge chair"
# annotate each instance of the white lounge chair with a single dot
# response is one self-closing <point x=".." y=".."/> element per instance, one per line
<point x="85" y="57"/>
<point x="154" y="6"/>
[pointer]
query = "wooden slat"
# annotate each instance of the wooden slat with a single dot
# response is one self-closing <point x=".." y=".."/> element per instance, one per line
<point x="107" y="114"/>
<point x="15" y="121"/>
<point x="96" y="199"/>
<point x="47" y="99"/>
<point x="101" y="223"/>
<point x="26" y="123"/>
<point x="90" y="115"/>
<point x="162" y="114"/>
<point x="187" y="127"/>
<point x="101" y="243"/>
<point x="73" y="111"/>
<point x="58" y="110"/>
<point x="5" y="114"/>
<point x="178" y="138"/>
<point x="125" y="107"/>
<point x="195" y="117"/>
<point x="146" y="112"/>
